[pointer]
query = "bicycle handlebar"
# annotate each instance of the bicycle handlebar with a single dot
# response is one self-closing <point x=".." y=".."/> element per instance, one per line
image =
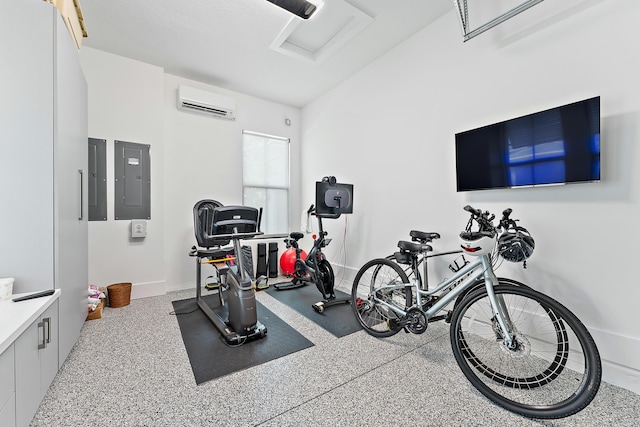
<point x="485" y="219"/>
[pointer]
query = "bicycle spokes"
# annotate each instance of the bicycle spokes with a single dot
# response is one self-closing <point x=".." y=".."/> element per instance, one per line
<point x="550" y="370"/>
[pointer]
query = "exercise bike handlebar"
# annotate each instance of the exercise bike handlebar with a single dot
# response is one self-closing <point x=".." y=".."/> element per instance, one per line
<point x="328" y="216"/>
<point x="336" y="214"/>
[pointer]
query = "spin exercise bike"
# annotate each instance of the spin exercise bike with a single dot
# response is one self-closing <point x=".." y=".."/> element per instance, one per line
<point x="215" y="226"/>
<point x="332" y="200"/>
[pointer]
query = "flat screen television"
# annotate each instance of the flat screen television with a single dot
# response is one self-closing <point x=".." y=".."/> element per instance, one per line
<point x="333" y="198"/>
<point x="556" y="146"/>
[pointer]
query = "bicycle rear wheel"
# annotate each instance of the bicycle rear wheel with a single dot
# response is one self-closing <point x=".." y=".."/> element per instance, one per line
<point x="552" y="371"/>
<point x="380" y="280"/>
<point x="406" y="267"/>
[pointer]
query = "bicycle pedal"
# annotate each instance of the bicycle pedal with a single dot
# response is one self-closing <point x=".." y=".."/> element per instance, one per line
<point x="394" y="325"/>
<point x="447" y="319"/>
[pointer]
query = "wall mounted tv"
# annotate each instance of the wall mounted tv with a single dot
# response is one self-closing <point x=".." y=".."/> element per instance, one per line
<point x="556" y="146"/>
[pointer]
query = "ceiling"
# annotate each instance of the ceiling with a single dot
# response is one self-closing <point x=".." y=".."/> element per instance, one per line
<point x="253" y="46"/>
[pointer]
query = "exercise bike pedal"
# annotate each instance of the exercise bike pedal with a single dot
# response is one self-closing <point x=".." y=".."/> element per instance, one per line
<point x="261" y="283"/>
<point x="212" y="285"/>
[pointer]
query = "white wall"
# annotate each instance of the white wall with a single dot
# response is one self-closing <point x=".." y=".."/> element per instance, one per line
<point x="204" y="161"/>
<point x="126" y="103"/>
<point x="193" y="157"/>
<point x="394" y="125"/>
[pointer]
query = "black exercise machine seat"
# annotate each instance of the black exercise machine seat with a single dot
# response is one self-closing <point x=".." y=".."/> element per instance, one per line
<point x="203" y="224"/>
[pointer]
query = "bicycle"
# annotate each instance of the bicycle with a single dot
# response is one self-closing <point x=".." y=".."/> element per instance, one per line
<point x="521" y="349"/>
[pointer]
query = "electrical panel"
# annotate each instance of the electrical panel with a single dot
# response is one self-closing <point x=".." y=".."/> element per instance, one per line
<point x="132" y="180"/>
<point x="97" y="179"/>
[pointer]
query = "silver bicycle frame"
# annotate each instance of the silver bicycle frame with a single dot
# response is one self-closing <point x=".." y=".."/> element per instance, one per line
<point x="449" y="289"/>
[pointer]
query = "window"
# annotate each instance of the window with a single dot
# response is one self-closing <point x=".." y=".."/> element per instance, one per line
<point x="265" y="179"/>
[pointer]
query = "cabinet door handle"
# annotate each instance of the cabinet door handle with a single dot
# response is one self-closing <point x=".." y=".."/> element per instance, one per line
<point x="47" y="320"/>
<point x="81" y="172"/>
<point x="43" y="343"/>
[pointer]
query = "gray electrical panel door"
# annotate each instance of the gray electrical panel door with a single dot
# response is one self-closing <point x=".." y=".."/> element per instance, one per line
<point x="97" y="179"/>
<point x="132" y="180"/>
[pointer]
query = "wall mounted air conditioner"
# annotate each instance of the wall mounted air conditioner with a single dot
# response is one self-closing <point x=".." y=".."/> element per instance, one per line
<point x="211" y="104"/>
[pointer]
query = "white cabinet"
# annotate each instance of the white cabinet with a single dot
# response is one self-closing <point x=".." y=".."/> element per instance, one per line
<point x="7" y="389"/>
<point x="36" y="363"/>
<point x="71" y="189"/>
<point x="28" y="356"/>
<point x="43" y="161"/>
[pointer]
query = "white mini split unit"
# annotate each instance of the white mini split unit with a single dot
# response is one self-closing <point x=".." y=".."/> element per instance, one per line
<point x="208" y="103"/>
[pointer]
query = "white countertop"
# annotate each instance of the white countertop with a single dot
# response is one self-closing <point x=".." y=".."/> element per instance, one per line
<point x="15" y="317"/>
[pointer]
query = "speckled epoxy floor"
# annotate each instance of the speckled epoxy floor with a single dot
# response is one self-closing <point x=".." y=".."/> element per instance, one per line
<point x="130" y="368"/>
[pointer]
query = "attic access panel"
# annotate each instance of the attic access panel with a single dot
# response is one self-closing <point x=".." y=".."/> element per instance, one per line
<point x="132" y="180"/>
<point x="314" y="40"/>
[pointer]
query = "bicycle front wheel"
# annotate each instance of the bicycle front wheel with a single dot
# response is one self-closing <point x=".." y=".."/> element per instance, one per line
<point x="380" y="286"/>
<point x="552" y="370"/>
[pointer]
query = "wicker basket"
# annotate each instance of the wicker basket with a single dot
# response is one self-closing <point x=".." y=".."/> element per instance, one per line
<point x="119" y="294"/>
<point x="97" y="313"/>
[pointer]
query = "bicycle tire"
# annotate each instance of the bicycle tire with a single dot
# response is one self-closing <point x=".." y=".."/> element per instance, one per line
<point x="375" y="318"/>
<point x="554" y="371"/>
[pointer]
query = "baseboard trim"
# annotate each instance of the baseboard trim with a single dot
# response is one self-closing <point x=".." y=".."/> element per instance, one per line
<point x="149" y="289"/>
<point x="621" y="376"/>
<point x="620" y="364"/>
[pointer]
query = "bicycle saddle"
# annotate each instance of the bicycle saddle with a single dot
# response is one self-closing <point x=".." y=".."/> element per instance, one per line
<point x="414" y="247"/>
<point x="423" y="236"/>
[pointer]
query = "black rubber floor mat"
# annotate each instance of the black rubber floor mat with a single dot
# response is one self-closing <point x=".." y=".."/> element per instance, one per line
<point x="211" y="357"/>
<point x="338" y="319"/>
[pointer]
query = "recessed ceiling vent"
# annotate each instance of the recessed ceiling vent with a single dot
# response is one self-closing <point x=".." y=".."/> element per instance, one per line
<point x="208" y="103"/>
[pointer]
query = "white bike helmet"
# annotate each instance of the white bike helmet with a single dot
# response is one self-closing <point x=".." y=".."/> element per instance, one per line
<point x="477" y="243"/>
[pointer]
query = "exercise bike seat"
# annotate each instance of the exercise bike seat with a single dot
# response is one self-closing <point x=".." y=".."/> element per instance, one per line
<point x="296" y="235"/>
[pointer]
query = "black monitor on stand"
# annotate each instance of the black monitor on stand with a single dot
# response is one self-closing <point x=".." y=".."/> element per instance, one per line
<point x="332" y="198"/>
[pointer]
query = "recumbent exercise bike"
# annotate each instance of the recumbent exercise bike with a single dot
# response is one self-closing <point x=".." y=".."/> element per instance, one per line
<point x="215" y="226"/>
